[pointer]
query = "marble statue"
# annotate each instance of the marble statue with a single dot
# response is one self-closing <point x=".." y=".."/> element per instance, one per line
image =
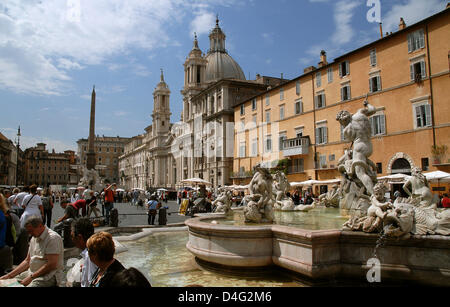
<point x="305" y="208"/>
<point x="91" y="178"/>
<point x="409" y="217"/>
<point x="420" y="188"/>
<point x="357" y="170"/>
<point x="260" y="208"/>
<point x="222" y="203"/>
<point x="331" y="198"/>
<point x="280" y="187"/>
<point x="406" y="217"/>
<point x="252" y="212"/>
<point x="357" y="129"/>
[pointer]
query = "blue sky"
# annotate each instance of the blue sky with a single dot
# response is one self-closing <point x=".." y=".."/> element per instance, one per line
<point x="52" y="52"/>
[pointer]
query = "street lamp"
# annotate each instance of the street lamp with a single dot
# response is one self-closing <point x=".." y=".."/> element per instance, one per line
<point x="17" y="156"/>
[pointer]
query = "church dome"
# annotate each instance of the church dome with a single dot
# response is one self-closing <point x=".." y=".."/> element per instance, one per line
<point x="220" y="64"/>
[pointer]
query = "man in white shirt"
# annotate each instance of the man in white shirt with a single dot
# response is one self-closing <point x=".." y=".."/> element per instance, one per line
<point x="44" y="264"/>
<point x="82" y="230"/>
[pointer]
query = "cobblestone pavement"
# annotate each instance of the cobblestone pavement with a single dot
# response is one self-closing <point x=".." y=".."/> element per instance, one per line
<point x="130" y="215"/>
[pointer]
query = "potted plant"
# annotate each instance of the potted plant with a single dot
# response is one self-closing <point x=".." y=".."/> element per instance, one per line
<point x="438" y="153"/>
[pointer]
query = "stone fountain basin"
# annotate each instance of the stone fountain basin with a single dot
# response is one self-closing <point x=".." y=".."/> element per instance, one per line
<point x="319" y="254"/>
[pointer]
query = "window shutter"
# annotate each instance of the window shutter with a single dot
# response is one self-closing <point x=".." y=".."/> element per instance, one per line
<point x="422" y="68"/>
<point x="349" y="92"/>
<point x="325" y="135"/>
<point x="428" y="115"/>
<point x="340" y="70"/>
<point x="301" y="106"/>
<point x="410" y="42"/>
<point x="379" y="82"/>
<point x="418" y="117"/>
<point x="316" y="101"/>
<point x="323" y="100"/>
<point x="370" y="85"/>
<point x="347" y="67"/>
<point x="342" y="94"/>
<point x="421" y="39"/>
<point x="317" y="136"/>
<point x="372" y="125"/>
<point x="411" y="67"/>
<point x="383" y="124"/>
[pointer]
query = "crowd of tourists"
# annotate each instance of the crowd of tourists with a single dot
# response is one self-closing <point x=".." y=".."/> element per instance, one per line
<point x="32" y="253"/>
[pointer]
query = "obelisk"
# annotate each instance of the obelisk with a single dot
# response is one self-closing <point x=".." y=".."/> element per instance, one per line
<point x="90" y="161"/>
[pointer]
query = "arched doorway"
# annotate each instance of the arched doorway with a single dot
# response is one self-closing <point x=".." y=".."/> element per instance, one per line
<point x="400" y="166"/>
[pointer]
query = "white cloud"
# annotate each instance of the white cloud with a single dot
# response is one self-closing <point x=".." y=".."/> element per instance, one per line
<point x="343" y="15"/>
<point x="41" y="43"/>
<point x="202" y="22"/>
<point x="27" y="141"/>
<point x="412" y="11"/>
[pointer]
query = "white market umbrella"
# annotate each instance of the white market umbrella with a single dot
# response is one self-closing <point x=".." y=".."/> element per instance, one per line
<point x="120" y="190"/>
<point x="196" y="181"/>
<point x="438" y="176"/>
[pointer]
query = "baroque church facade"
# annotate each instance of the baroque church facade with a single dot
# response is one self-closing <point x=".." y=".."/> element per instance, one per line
<point x="201" y="145"/>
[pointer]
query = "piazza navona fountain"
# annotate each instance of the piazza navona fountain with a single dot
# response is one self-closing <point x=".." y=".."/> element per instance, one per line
<point x="337" y="235"/>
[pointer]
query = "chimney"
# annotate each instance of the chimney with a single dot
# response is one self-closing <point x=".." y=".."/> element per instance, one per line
<point x="402" y="24"/>
<point x="381" y="30"/>
<point x="309" y="69"/>
<point x="448" y="5"/>
<point x="323" y="59"/>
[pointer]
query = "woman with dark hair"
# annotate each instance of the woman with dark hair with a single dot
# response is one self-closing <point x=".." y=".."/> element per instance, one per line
<point x="101" y="252"/>
<point x="130" y="278"/>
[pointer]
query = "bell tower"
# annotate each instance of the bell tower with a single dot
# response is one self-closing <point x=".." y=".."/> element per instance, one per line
<point x="194" y="77"/>
<point x="161" y="108"/>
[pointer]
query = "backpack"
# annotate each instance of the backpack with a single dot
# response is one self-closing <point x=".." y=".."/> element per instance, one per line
<point x="46" y="203"/>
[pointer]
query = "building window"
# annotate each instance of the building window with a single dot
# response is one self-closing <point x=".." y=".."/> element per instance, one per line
<point x="321" y="135"/>
<point x="297" y="88"/>
<point x="267" y="100"/>
<point x="254" y="147"/>
<point x="378" y="124"/>
<point x="319" y="79"/>
<point x="379" y="168"/>
<point x="281" y="93"/>
<point x="281" y="140"/>
<point x="322" y="161"/>
<point x="422" y="115"/>
<point x="418" y="71"/>
<point x="425" y="164"/>
<point x="297" y="166"/>
<point x="281" y="112"/>
<point x="267" y="116"/>
<point x="242" y="109"/>
<point x="345" y="93"/>
<point x="268" y="144"/>
<point x="344" y="69"/>
<point x="242" y="149"/>
<point x="416" y="40"/>
<point x="320" y="101"/>
<point x="373" y="57"/>
<point x="330" y="74"/>
<point x="253" y="104"/>
<point x="298" y="107"/>
<point x="254" y="120"/>
<point x="375" y="84"/>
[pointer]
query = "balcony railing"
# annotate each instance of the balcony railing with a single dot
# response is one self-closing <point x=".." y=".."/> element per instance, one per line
<point x="294" y="169"/>
<point x="297" y="146"/>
